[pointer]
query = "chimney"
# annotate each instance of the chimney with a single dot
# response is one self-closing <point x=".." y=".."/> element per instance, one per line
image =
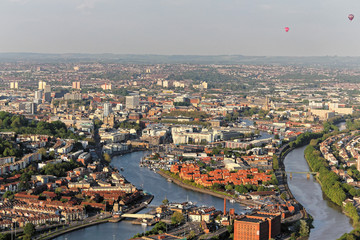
<point x="224" y="206"/>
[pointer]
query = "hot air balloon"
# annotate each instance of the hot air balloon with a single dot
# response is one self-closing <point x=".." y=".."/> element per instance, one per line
<point x="287" y="29"/>
<point x="351" y="17"/>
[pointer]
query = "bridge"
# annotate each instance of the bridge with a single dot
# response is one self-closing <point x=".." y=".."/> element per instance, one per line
<point x="307" y="174"/>
<point x="130" y="215"/>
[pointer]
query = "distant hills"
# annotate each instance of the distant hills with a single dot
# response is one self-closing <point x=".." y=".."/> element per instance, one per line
<point x="178" y="59"/>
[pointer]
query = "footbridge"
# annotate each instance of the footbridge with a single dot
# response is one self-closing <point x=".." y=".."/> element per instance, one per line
<point x="307" y="174"/>
<point x="131" y="215"/>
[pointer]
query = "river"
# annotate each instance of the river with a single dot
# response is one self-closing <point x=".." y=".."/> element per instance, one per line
<point x="329" y="222"/>
<point x="152" y="183"/>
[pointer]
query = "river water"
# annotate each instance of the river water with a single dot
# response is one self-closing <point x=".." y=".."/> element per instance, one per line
<point x="152" y="183"/>
<point x="329" y="221"/>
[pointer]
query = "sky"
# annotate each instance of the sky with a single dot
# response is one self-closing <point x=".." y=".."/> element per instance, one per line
<point x="181" y="27"/>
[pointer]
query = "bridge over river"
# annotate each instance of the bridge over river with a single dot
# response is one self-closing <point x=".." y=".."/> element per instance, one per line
<point x="133" y="215"/>
<point x="307" y="174"/>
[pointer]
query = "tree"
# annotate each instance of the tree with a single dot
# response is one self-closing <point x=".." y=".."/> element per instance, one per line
<point x="177" y="218"/>
<point x="107" y="157"/>
<point x="9" y="195"/>
<point x="241" y="189"/>
<point x="229" y="187"/>
<point x="52" y="155"/>
<point x="191" y="235"/>
<point x="43" y="153"/>
<point x="165" y="201"/>
<point x="29" y="229"/>
<point x="304" y="228"/>
<point x="275" y="162"/>
<point x="58" y="190"/>
<point x="5" y="236"/>
<point x="26" y="237"/>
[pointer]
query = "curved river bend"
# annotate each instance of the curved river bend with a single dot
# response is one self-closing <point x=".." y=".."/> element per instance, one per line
<point x="329" y="222"/>
<point x="152" y="183"/>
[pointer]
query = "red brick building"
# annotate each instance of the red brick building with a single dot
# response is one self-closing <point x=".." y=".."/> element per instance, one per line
<point x="257" y="226"/>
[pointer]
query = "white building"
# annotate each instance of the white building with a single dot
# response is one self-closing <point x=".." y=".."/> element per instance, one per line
<point x="107" y="109"/>
<point x="132" y="101"/>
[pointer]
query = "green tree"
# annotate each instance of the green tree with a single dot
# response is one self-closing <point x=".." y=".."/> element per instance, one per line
<point x="177" y="218"/>
<point x="275" y="162"/>
<point x="5" y="236"/>
<point x="241" y="189"/>
<point x="29" y="229"/>
<point x="107" y="157"/>
<point x="229" y="187"/>
<point x="9" y="195"/>
<point x="304" y="228"/>
<point x="165" y="201"/>
<point x="43" y="153"/>
<point x="191" y="235"/>
<point x="283" y="196"/>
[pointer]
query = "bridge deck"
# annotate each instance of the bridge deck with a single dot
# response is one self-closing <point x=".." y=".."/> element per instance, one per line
<point x="129" y="215"/>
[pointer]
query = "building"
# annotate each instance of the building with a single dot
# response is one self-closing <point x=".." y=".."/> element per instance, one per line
<point x="107" y="109"/>
<point x="76" y="85"/>
<point x="106" y="86"/>
<point x="132" y="101"/>
<point x="73" y="96"/>
<point x="42" y="85"/>
<point x="257" y="226"/>
<point x="31" y="108"/>
<point x="38" y="96"/>
<point x="14" y="85"/>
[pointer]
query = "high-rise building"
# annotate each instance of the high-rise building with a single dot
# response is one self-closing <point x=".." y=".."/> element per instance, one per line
<point x="107" y="109"/>
<point x="119" y="107"/>
<point x="47" y="93"/>
<point x="132" y="101"/>
<point x="38" y="96"/>
<point x="47" y="88"/>
<point x="42" y="85"/>
<point x="76" y="85"/>
<point x="47" y="96"/>
<point x="31" y="108"/>
<point x="14" y="85"/>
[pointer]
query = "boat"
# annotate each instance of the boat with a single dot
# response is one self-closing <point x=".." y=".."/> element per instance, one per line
<point x="169" y="180"/>
<point x="122" y="169"/>
<point x="232" y="200"/>
<point x="144" y="224"/>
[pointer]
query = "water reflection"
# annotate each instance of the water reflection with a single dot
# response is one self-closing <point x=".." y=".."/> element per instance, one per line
<point x="329" y="222"/>
<point x="152" y="183"/>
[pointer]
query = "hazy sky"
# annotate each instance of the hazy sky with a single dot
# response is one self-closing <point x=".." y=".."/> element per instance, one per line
<point x="199" y="27"/>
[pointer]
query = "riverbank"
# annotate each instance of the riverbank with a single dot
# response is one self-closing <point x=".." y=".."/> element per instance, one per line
<point x="68" y="230"/>
<point x="335" y="190"/>
<point x="328" y="220"/>
<point x="109" y="219"/>
<point x="205" y="191"/>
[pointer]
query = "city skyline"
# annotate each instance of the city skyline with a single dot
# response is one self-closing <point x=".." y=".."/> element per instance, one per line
<point x="255" y="28"/>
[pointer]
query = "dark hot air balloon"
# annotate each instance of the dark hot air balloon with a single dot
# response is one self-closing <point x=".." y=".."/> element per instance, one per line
<point x="287" y="29"/>
<point x="351" y="17"/>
